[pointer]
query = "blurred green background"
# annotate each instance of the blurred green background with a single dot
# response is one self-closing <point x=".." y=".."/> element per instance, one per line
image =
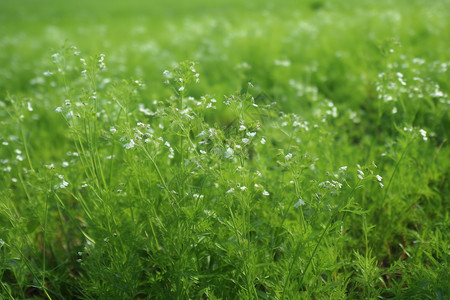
<point x="337" y="46"/>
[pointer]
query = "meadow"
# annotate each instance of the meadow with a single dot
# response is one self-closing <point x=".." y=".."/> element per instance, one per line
<point x="224" y="149"/>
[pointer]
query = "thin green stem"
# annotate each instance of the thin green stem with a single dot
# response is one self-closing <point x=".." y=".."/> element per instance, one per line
<point x="388" y="186"/>
<point x="161" y="178"/>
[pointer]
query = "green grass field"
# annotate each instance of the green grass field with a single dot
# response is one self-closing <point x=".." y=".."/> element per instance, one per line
<point x="224" y="149"/>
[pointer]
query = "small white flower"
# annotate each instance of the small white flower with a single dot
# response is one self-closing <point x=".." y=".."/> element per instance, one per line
<point x="251" y="134"/>
<point x="344" y="168"/>
<point x="379" y="178"/>
<point x="360" y="177"/>
<point x="112" y="129"/>
<point x="181" y="89"/>
<point x="381" y="185"/>
<point x="229" y="153"/>
<point x="300" y="202"/>
<point x="202" y="151"/>
<point x="129" y="145"/>
<point x="263" y="141"/>
<point x="288" y="156"/>
<point x="242" y="127"/>
<point x="243" y="188"/>
<point x="58" y="109"/>
<point x="230" y="191"/>
<point x="65" y="164"/>
<point x="265" y="193"/>
<point x="63" y="184"/>
<point x="245" y="140"/>
<point x="424" y="134"/>
<point x="361" y="172"/>
<point x="337" y="183"/>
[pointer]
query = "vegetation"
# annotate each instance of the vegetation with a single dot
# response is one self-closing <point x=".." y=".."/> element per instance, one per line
<point x="224" y="149"/>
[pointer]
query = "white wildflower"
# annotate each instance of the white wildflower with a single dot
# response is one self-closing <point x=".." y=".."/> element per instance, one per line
<point x="63" y="184"/>
<point x="229" y="153"/>
<point x="424" y="134"/>
<point x="129" y="145"/>
<point x="299" y="203"/>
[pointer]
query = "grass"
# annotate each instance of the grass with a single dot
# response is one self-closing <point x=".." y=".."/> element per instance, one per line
<point x="224" y="150"/>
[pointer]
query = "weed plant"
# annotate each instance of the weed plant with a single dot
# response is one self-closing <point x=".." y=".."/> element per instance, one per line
<point x="238" y="151"/>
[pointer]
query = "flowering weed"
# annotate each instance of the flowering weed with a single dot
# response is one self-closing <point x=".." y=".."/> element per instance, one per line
<point x="300" y="152"/>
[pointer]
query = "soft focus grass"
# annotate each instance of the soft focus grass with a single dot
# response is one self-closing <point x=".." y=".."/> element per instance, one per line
<point x="310" y="160"/>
